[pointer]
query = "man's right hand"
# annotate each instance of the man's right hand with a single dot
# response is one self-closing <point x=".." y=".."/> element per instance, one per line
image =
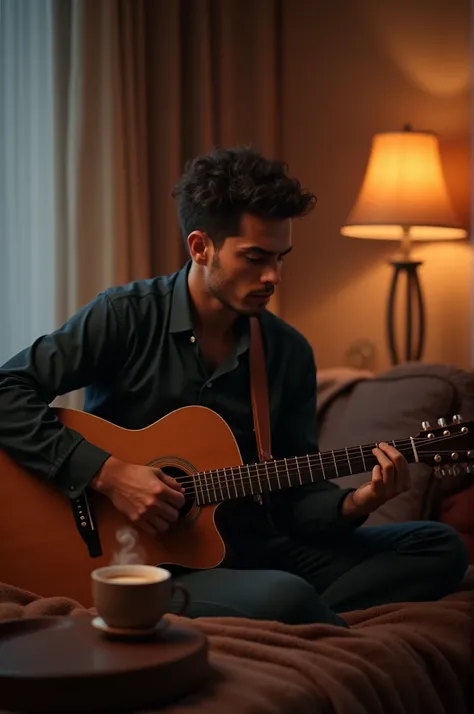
<point x="147" y="497"/>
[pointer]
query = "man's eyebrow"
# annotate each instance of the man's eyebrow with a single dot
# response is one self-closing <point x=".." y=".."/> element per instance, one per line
<point x="262" y="251"/>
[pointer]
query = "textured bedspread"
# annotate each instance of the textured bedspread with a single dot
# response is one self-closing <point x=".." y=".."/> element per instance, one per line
<point x="396" y="659"/>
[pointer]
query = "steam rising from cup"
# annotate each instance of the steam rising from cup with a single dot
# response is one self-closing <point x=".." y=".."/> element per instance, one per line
<point x="129" y="552"/>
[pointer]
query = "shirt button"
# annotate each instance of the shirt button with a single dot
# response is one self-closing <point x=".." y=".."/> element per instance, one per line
<point x="209" y="384"/>
<point x="192" y="339"/>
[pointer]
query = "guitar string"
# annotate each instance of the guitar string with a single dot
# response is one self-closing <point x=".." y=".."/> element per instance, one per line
<point x="203" y="483"/>
<point x="227" y="488"/>
<point x="317" y="460"/>
<point x="261" y="471"/>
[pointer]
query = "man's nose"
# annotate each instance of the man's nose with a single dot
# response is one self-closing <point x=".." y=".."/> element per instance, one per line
<point x="271" y="275"/>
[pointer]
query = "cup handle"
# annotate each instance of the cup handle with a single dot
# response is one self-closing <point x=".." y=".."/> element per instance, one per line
<point x="177" y="587"/>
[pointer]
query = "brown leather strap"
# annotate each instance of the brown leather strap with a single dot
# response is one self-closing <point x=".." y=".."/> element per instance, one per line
<point x="259" y="391"/>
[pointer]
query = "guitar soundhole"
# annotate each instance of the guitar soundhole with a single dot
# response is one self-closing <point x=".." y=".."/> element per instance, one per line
<point x="186" y="481"/>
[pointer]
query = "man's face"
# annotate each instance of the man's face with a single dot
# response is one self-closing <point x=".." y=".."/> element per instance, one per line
<point x="243" y="273"/>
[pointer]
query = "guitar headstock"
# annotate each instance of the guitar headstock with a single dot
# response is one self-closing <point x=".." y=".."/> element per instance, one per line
<point x="448" y="447"/>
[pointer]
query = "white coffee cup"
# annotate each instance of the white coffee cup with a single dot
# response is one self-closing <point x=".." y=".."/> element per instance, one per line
<point x="134" y="596"/>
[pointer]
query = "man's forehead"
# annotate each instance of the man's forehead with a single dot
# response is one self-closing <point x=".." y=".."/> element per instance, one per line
<point x="265" y="228"/>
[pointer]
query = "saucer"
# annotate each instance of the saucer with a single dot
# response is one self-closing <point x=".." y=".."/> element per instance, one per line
<point x="129" y="632"/>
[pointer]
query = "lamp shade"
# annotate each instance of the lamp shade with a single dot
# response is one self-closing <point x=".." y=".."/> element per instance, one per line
<point x="404" y="191"/>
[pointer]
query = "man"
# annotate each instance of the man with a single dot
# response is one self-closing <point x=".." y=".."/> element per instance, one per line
<point x="144" y="349"/>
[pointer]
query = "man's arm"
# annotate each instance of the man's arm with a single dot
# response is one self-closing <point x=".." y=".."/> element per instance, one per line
<point x="86" y="349"/>
<point x="318" y="507"/>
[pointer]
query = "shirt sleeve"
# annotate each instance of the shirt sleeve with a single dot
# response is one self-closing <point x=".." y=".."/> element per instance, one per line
<point x="85" y="350"/>
<point x="314" y="508"/>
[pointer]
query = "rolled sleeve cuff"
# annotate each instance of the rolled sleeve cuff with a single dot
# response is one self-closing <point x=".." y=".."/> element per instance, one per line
<point x="78" y="470"/>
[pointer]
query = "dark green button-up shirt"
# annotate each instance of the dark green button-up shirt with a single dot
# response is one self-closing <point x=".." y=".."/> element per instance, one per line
<point x="134" y="351"/>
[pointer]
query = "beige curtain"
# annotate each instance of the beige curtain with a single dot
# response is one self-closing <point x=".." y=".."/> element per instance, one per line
<point x="142" y="87"/>
<point x="102" y="186"/>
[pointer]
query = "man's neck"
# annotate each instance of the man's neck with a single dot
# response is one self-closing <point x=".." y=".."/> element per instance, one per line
<point x="213" y="320"/>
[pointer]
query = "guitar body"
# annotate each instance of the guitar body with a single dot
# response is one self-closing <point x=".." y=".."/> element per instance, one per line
<point x="41" y="549"/>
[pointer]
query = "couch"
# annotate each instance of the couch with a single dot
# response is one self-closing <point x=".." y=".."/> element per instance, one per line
<point x="361" y="407"/>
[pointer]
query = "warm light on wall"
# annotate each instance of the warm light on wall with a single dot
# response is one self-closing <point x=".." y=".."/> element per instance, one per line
<point x="404" y="197"/>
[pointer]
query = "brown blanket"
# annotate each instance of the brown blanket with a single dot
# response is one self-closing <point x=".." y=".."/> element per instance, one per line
<point x="396" y="659"/>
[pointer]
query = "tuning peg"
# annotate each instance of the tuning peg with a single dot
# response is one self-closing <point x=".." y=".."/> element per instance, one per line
<point x="425" y="425"/>
<point x="457" y="419"/>
<point x="442" y="422"/>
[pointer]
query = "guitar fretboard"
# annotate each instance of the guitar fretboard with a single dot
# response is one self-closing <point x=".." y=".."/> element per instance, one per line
<point x="254" y="479"/>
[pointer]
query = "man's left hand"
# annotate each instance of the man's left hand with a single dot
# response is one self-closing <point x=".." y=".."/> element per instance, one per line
<point x="390" y="477"/>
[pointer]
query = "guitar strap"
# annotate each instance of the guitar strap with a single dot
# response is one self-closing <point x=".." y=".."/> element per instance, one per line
<point x="259" y="391"/>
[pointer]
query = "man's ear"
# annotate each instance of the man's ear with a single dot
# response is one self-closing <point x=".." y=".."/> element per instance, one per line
<point x="199" y="245"/>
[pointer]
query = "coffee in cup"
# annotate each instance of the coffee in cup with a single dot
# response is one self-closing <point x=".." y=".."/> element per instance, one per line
<point x="134" y="596"/>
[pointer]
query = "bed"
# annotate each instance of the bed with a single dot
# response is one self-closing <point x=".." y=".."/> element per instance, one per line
<point x="395" y="659"/>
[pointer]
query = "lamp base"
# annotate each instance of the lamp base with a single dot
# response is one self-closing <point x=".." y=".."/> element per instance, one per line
<point x="414" y="311"/>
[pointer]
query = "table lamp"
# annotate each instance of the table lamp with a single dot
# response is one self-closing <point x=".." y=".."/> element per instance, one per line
<point x="404" y="197"/>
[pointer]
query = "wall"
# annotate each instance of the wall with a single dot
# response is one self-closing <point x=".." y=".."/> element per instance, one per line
<point x="352" y="70"/>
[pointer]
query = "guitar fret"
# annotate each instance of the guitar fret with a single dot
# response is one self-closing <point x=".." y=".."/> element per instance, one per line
<point x="310" y="469"/>
<point x="258" y="477"/>
<point x="213" y="482"/>
<point x="287" y="472"/>
<point x="348" y="460"/>
<point x="335" y="464"/>
<point x="268" y="476"/>
<point x="234" y="483"/>
<point x="207" y="487"/>
<point x="414" y="449"/>
<point x="242" y="480"/>
<point x="363" y="459"/>
<point x="297" y="462"/>
<point x="322" y="465"/>
<point x="220" y="483"/>
<point x="227" y="482"/>
<point x="277" y="474"/>
<point x="250" y="480"/>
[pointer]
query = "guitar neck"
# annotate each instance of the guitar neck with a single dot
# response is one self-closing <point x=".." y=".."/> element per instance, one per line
<point x="253" y="479"/>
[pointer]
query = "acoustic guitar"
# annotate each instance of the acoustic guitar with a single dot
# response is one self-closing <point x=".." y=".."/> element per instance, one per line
<point x="49" y="544"/>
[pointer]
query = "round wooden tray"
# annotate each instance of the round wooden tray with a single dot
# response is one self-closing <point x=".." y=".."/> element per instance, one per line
<point x="53" y="665"/>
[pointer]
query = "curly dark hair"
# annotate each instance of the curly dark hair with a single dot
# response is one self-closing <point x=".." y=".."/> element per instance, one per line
<point x="217" y="188"/>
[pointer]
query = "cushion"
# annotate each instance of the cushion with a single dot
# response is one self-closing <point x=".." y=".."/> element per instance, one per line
<point x="457" y="511"/>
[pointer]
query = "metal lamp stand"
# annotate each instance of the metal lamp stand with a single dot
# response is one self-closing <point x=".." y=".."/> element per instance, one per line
<point x="414" y="307"/>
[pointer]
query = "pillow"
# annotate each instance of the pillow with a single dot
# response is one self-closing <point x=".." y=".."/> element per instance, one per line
<point x="456" y="511"/>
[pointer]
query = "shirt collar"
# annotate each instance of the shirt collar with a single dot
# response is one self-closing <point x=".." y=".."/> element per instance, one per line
<point x="181" y="319"/>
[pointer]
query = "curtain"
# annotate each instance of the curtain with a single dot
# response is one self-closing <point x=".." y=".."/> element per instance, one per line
<point x="101" y="151"/>
<point x="104" y="101"/>
<point x="27" y="189"/>
<point x="214" y="77"/>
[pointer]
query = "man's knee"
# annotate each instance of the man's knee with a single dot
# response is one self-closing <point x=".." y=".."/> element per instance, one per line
<point x="446" y="543"/>
<point x="457" y="559"/>
<point x="292" y="600"/>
